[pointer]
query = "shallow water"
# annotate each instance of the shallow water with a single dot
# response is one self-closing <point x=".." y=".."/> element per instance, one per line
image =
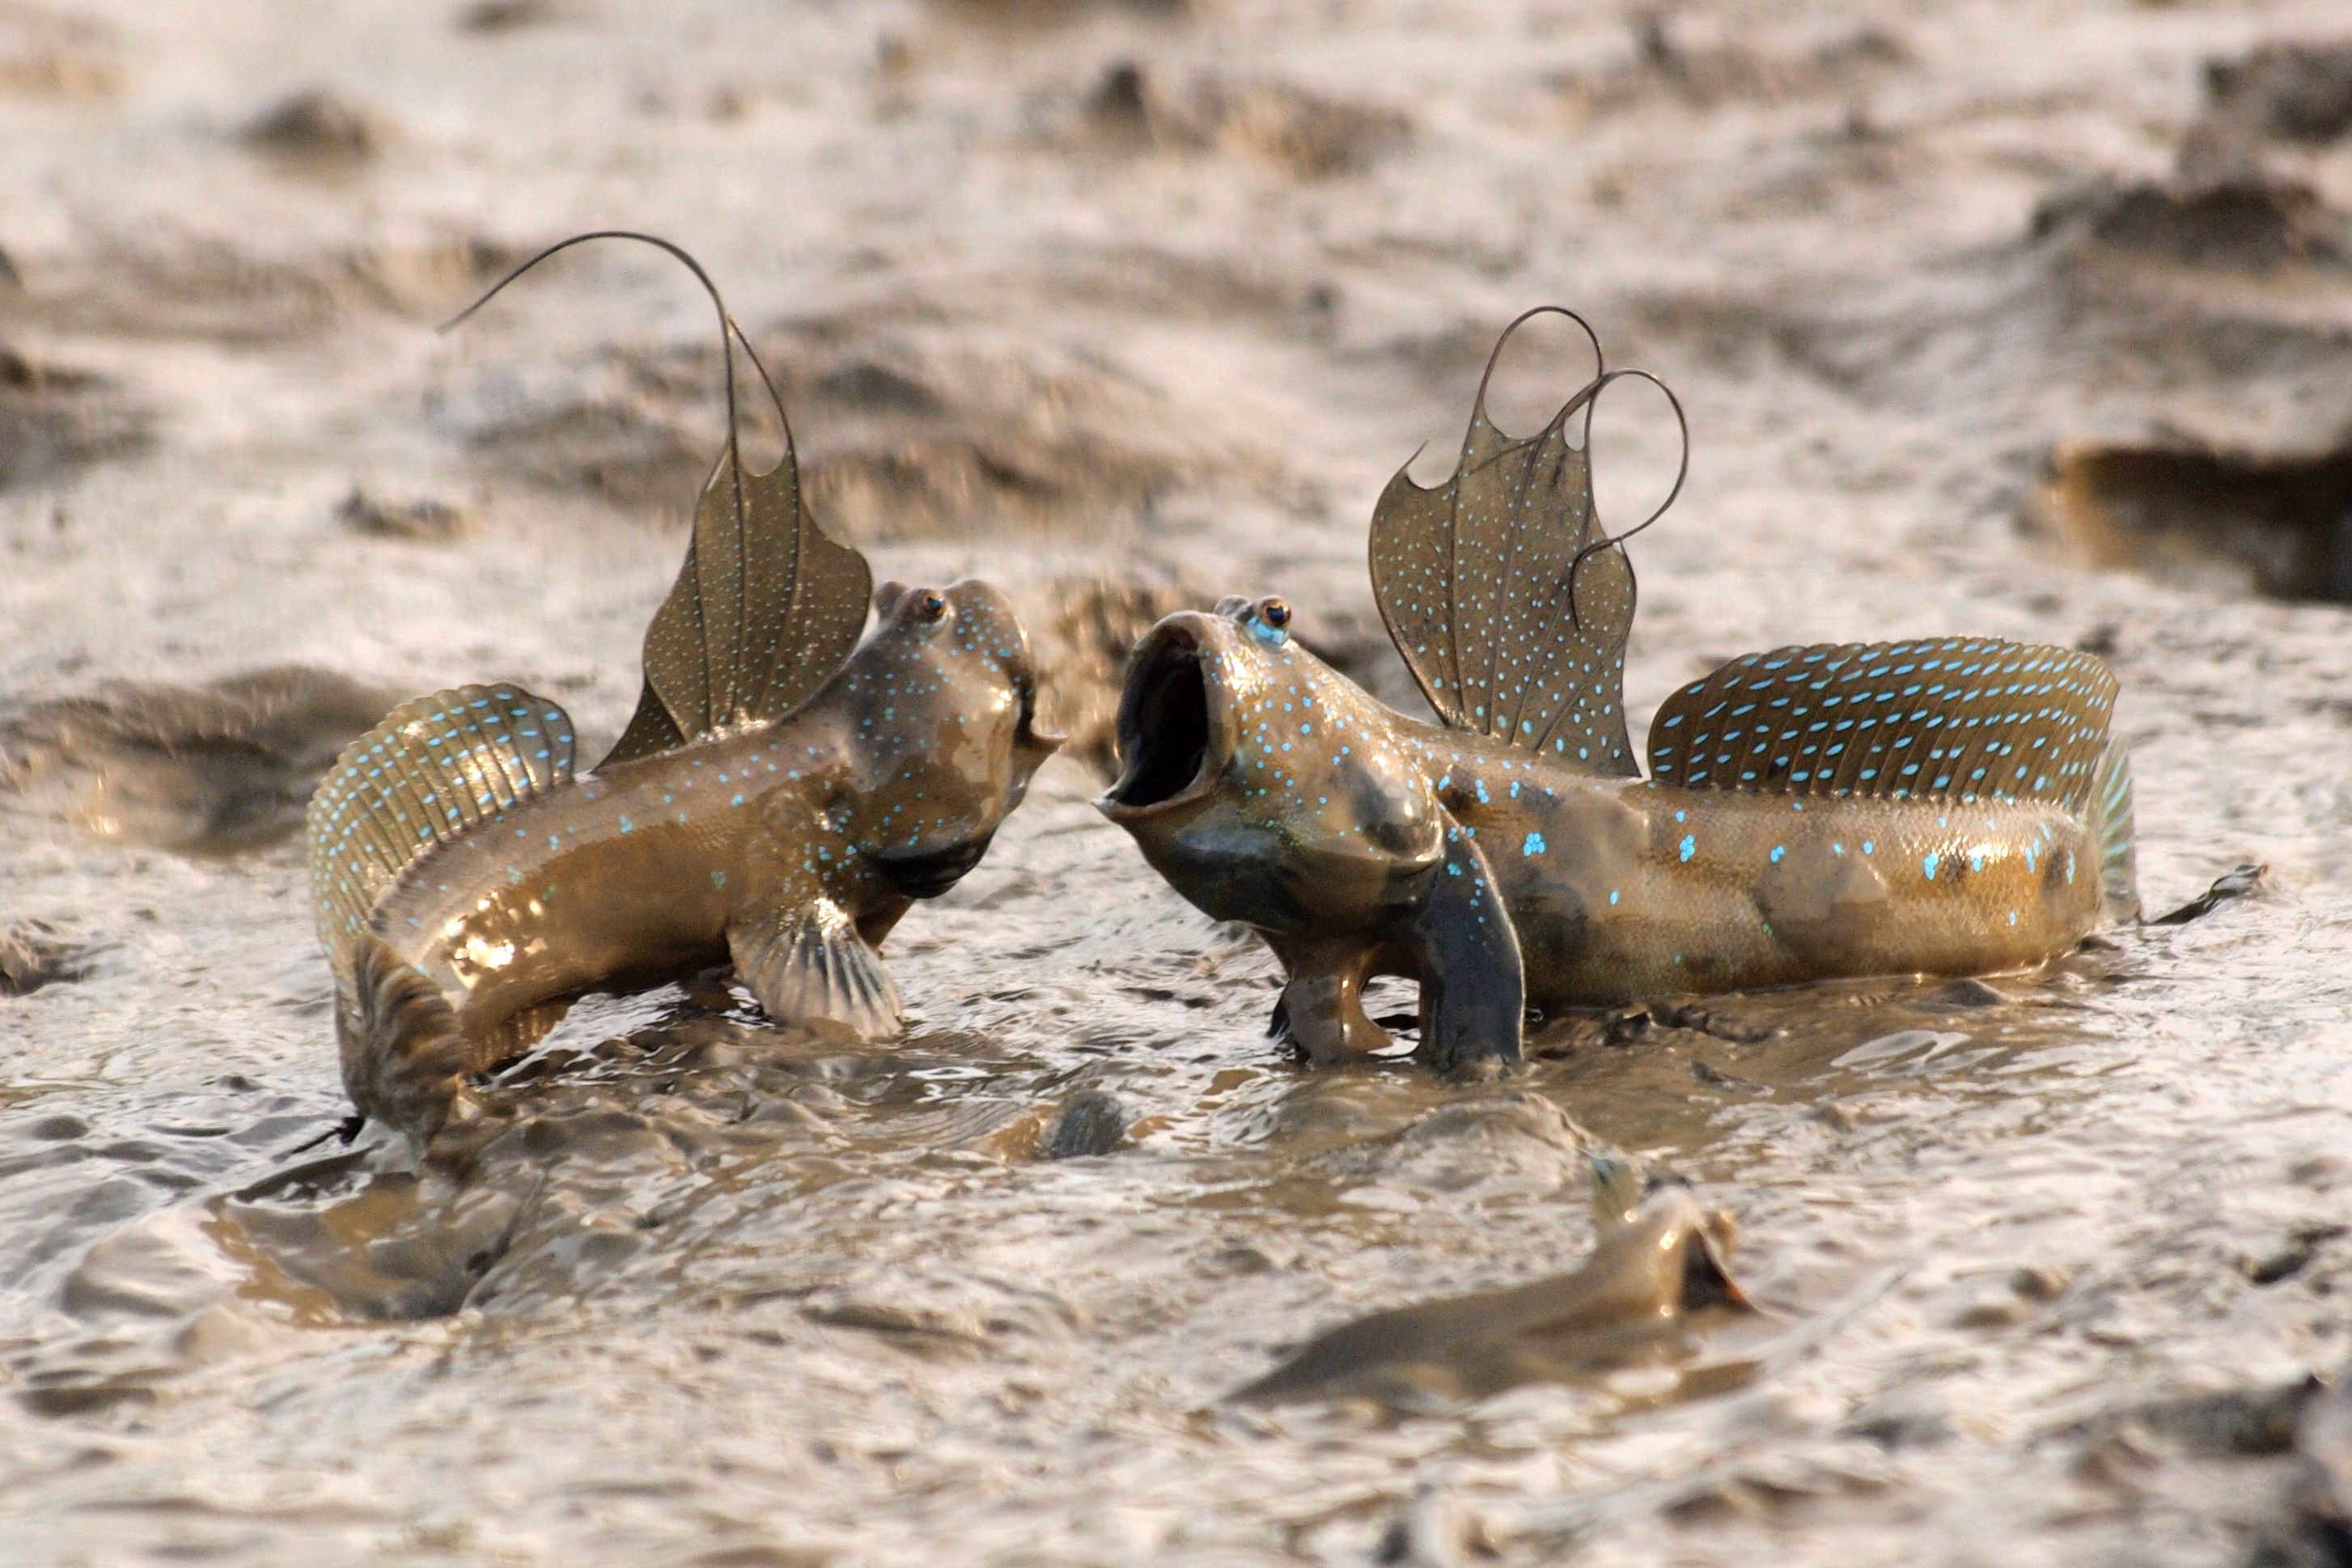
<point x="2035" y="1261"/>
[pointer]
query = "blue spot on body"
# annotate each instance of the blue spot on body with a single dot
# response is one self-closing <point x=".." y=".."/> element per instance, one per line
<point x="627" y="824"/>
<point x="1929" y="864"/>
<point x="1778" y="850"/>
<point x="1690" y="843"/>
<point x="1534" y="845"/>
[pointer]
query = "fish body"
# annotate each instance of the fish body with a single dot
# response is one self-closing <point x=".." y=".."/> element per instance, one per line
<point x="645" y="865"/>
<point x="790" y="844"/>
<point x="786" y="789"/>
<point x="1950" y="805"/>
<point x="1654" y="1268"/>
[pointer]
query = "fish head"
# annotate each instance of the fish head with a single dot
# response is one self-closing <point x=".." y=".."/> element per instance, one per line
<point x="1265" y="785"/>
<point x="942" y="714"/>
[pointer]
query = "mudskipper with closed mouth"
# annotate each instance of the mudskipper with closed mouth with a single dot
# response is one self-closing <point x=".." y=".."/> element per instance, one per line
<point x="1949" y="805"/>
<point x="782" y="795"/>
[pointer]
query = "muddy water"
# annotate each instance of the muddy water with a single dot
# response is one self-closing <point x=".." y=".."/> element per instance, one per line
<point x="1159" y="295"/>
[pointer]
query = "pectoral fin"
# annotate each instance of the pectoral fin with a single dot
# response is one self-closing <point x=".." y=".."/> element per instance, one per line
<point x="806" y="961"/>
<point x="1473" y="991"/>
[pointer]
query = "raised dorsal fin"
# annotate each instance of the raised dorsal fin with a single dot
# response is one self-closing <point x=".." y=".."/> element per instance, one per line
<point x="1936" y="719"/>
<point x="764" y="610"/>
<point x="767" y="607"/>
<point x="1508" y="601"/>
<point x="435" y="768"/>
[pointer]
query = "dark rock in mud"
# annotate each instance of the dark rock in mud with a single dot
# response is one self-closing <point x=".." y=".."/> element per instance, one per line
<point x="318" y="126"/>
<point x="422" y="519"/>
<point x="507" y="15"/>
<point x="31" y="957"/>
<point x="2282" y="518"/>
<point x="53" y="421"/>
<point x="1091" y="1122"/>
<point x="202" y="769"/>
<point x="1305" y="134"/>
<point x="2295" y="92"/>
<point x="2239" y="219"/>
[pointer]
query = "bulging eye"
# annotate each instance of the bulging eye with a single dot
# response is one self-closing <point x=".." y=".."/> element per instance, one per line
<point x="1274" y="612"/>
<point x="931" y="603"/>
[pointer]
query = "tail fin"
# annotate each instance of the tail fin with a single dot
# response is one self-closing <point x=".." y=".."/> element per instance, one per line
<point x="432" y="769"/>
<point x="2113" y="831"/>
<point x="405" y="1057"/>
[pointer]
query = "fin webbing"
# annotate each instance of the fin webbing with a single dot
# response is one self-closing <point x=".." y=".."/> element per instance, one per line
<point x="1940" y="718"/>
<point x="2113" y="830"/>
<point x="1507" y="599"/>
<point x="808" y="961"/>
<point x="766" y="609"/>
<point x="432" y="769"/>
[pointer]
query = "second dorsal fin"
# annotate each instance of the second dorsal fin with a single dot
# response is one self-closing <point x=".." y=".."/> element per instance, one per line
<point x="1508" y="600"/>
<point x="767" y="606"/>
<point x="1936" y="718"/>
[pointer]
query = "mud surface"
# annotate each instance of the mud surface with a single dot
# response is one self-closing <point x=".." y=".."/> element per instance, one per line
<point x="1122" y="305"/>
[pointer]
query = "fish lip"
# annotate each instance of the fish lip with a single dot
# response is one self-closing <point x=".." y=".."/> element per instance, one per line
<point x="926" y="874"/>
<point x="1172" y="722"/>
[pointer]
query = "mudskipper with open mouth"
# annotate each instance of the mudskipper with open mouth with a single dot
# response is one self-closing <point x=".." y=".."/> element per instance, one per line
<point x="781" y="797"/>
<point x="1950" y="805"/>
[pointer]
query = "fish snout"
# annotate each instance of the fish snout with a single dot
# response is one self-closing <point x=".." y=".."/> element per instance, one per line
<point x="1173" y="715"/>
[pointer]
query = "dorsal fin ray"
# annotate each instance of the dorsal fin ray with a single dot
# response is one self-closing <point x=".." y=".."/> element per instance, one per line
<point x="767" y="605"/>
<point x="1508" y="601"/>
<point x="436" y="768"/>
<point x="1933" y="718"/>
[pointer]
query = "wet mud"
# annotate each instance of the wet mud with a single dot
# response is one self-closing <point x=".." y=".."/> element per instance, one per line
<point x="1125" y="307"/>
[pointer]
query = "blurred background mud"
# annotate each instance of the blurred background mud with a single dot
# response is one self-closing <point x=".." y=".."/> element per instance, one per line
<point x="2026" y="317"/>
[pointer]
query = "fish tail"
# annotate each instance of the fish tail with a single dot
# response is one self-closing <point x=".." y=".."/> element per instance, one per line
<point x="2113" y="831"/>
<point x="405" y="1056"/>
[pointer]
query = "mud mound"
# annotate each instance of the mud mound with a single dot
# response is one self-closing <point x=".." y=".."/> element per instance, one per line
<point x="200" y="769"/>
<point x="53" y="421"/>
<point x="2295" y="92"/>
<point x="206" y="288"/>
<point x="898" y="440"/>
<point x="1304" y="133"/>
<point x="2285" y="519"/>
<point x="2249" y="222"/>
<point x="1710" y="75"/>
<point x="318" y="127"/>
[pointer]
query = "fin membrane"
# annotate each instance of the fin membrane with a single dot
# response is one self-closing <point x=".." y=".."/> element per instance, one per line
<point x="1509" y="627"/>
<point x="764" y="610"/>
<point x="2113" y="830"/>
<point x="809" y="961"/>
<point x="1944" y="719"/>
<point x="432" y="769"/>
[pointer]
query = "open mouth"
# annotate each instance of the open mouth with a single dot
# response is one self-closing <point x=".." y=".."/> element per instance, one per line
<point x="1163" y="726"/>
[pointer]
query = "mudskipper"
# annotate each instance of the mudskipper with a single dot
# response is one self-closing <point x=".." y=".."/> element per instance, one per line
<point x="781" y="797"/>
<point x="1949" y="804"/>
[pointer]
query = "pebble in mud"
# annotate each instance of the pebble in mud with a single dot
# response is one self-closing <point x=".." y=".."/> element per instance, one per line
<point x="318" y="126"/>
<point x="1091" y="1122"/>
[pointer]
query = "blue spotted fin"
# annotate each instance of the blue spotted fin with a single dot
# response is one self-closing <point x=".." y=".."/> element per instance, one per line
<point x="1509" y="604"/>
<point x="1941" y="718"/>
<point x="764" y="611"/>
<point x="433" y="768"/>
